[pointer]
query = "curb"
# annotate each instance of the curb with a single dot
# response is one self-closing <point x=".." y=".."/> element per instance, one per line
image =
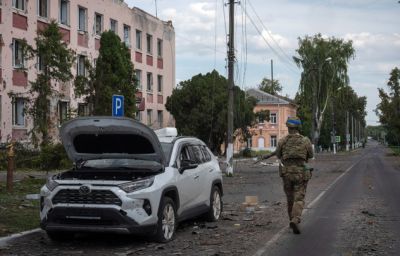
<point x="6" y="239"/>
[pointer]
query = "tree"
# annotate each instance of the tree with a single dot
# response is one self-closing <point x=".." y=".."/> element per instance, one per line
<point x="199" y="106"/>
<point x="324" y="63"/>
<point x="388" y="109"/>
<point x="269" y="86"/>
<point x="113" y="74"/>
<point x="55" y="62"/>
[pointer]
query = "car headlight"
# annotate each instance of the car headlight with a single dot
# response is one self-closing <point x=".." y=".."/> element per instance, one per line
<point x="136" y="185"/>
<point x="51" y="184"/>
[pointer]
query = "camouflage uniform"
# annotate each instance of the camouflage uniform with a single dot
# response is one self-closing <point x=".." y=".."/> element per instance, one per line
<point x="294" y="150"/>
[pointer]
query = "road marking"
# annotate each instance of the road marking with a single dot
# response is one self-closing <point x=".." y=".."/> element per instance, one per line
<point x="263" y="249"/>
<point x="4" y="240"/>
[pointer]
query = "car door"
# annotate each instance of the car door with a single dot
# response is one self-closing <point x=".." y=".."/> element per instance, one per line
<point x="208" y="174"/>
<point x="201" y="174"/>
<point x="188" y="180"/>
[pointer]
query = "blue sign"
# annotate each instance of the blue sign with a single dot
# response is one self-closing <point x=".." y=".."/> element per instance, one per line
<point x="117" y="105"/>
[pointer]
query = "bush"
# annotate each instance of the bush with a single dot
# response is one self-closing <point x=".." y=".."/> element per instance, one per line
<point x="50" y="157"/>
<point x="53" y="156"/>
<point x="248" y="153"/>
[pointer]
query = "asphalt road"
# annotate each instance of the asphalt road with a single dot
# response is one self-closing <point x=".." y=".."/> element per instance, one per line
<point x="357" y="215"/>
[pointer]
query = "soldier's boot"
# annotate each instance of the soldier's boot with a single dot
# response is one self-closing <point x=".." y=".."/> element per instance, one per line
<point x="294" y="225"/>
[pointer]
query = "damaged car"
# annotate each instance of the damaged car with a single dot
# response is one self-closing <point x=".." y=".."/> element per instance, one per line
<point x="128" y="179"/>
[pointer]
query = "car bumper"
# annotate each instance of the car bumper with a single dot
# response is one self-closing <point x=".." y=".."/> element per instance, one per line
<point x="107" y="220"/>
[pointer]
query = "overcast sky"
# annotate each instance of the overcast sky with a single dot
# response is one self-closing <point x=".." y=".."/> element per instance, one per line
<point x="200" y="27"/>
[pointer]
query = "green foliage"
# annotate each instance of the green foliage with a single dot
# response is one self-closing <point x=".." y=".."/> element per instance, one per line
<point x="113" y="74"/>
<point x="53" y="157"/>
<point x="324" y="63"/>
<point x="388" y="109"/>
<point x="56" y="61"/>
<point x="199" y="106"/>
<point x="262" y="116"/>
<point x="269" y="86"/>
<point x="376" y="132"/>
<point x="395" y="150"/>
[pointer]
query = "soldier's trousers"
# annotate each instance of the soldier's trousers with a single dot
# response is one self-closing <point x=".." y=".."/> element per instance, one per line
<point x="295" y="185"/>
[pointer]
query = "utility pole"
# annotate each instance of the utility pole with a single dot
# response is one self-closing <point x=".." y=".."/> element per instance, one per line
<point x="231" y="62"/>
<point x="279" y="107"/>
<point x="347" y="132"/>
<point x="352" y="132"/>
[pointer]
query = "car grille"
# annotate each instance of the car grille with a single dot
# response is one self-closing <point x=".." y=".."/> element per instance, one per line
<point x="73" y="196"/>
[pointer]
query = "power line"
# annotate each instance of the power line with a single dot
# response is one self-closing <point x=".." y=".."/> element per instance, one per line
<point x="290" y="68"/>
<point x="269" y="33"/>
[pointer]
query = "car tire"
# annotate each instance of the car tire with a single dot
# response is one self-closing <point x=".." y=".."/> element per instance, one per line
<point x="59" y="236"/>
<point x="215" y="210"/>
<point x="167" y="221"/>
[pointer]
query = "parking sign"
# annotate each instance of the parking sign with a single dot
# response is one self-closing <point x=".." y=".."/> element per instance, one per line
<point x="117" y="105"/>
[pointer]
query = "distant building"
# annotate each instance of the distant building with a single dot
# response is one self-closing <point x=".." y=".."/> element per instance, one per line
<point x="266" y="134"/>
<point x="151" y="41"/>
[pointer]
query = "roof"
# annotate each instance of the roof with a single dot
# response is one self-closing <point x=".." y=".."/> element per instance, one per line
<point x="266" y="98"/>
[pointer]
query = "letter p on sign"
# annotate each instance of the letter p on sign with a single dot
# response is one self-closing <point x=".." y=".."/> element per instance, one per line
<point x="117" y="105"/>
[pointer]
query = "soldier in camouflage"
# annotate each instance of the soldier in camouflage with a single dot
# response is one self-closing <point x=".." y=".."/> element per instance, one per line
<point x="294" y="150"/>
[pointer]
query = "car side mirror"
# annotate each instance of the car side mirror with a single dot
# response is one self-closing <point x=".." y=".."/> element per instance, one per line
<point x="186" y="165"/>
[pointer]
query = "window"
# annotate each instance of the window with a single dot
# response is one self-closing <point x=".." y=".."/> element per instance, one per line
<point x="149" y="43"/>
<point x="127" y="35"/>
<point x="1" y="105"/>
<point x="82" y="19"/>
<point x="160" y="118"/>
<point x="19" y="4"/>
<point x="83" y="109"/>
<point x="18" y="55"/>
<point x="64" y="12"/>
<point x="273" y="141"/>
<point x="159" y="47"/>
<point x="114" y="26"/>
<point x="43" y="8"/>
<point x="207" y="156"/>
<point x="62" y="111"/>
<point x="40" y="63"/>
<point x="81" y="65"/>
<point x="159" y="83"/>
<point x="149" y="115"/>
<point x="138" y="116"/>
<point x="149" y="82"/>
<point x="138" y="74"/>
<point x="183" y="155"/>
<point x="98" y="23"/>
<point x="272" y="118"/>
<point x="198" y="155"/>
<point x="138" y="39"/>
<point x="18" y="115"/>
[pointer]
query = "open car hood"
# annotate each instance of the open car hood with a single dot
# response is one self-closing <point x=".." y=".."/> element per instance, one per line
<point x="86" y="138"/>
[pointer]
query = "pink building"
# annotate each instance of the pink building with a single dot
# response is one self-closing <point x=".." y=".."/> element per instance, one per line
<point x="152" y="44"/>
<point x="265" y="135"/>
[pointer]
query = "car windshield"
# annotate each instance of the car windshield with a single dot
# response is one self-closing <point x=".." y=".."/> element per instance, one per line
<point x="167" y="149"/>
<point x="121" y="164"/>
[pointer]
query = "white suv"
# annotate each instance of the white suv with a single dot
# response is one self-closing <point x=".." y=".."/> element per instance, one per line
<point x="126" y="179"/>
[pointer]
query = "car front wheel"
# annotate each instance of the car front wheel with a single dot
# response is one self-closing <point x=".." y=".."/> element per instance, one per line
<point x="215" y="205"/>
<point x="166" y="220"/>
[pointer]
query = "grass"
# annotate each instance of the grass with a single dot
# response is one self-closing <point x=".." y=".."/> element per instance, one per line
<point x="16" y="212"/>
<point x="396" y="150"/>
